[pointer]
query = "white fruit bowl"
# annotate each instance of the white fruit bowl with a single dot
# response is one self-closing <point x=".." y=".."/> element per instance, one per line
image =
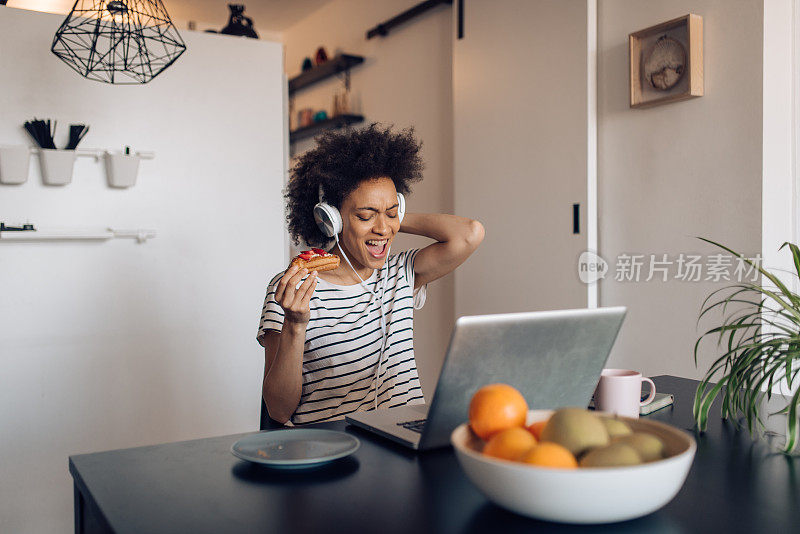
<point x="583" y="495"/>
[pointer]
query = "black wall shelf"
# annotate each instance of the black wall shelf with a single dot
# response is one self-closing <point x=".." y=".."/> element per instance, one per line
<point x="317" y="127"/>
<point x="383" y="28"/>
<point x="337" y="64"/>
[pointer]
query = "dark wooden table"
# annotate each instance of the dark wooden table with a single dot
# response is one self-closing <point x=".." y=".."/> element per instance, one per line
<point x="736" y="484"/>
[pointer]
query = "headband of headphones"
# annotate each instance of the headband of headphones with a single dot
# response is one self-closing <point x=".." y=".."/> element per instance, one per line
<point x="329" y="220"/>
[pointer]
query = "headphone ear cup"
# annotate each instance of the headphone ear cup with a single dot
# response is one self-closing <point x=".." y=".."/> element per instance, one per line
<point x="401" y="206"/>
<point x="328" y="219"/>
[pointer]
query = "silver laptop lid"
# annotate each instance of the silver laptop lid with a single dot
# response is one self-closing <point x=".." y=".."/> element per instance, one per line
<point x="553" y="358"/>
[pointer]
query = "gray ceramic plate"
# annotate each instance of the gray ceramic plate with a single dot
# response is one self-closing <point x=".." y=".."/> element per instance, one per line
<point x="294" y="448"/>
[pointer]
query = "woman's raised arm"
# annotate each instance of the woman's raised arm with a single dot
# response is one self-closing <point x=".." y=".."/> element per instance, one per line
<point x="457" y="238"/>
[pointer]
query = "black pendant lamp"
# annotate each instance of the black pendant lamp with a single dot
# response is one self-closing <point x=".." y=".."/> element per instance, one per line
<point x="118" y="41"/>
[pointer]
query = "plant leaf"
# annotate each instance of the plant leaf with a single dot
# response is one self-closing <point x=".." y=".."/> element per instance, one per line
<point x="703" y="405"/>
<point x="793" y="299"/>
<point x="792" y="429"/>
<point x="795" y="255"/>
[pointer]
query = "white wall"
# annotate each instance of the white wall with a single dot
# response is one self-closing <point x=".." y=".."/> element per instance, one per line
<point x="405" y="80"/>
<point x="780" y="119"/>
<point x="672" y="172"/>
<point x="116" y="344"/>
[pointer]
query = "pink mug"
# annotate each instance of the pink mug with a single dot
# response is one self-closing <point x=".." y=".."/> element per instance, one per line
<point x="619" y="392"/>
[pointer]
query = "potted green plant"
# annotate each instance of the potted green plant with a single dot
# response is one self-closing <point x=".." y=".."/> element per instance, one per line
<point x="760" y="338"/>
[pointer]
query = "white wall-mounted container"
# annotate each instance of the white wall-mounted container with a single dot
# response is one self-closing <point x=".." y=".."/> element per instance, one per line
<point x="14" y="164"/>
<point x="56" y="165"/>
<point x="121" y="168"/>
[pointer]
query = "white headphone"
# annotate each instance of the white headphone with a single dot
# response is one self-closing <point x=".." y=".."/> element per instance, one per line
<point x="329" y="221"/>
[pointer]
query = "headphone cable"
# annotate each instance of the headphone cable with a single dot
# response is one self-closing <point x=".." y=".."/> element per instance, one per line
<point x="384" y="337"/>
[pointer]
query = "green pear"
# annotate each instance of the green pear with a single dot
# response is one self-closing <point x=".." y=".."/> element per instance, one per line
<point x="613" y="455"/>
<point x="648" y="446"/>
<point x="615" y="427"/>
<point x="576" y="429"/>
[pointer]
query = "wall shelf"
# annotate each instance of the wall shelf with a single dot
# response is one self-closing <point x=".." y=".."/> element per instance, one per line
<point x="337" y="64"/>
<point x="57" y="165"/>
<point x="328" y="124"/>
<point x="97" y="153"/>
<point x="76" y="234"/>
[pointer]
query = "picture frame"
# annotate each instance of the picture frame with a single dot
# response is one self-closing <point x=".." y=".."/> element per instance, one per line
<point x="660" y="72"/>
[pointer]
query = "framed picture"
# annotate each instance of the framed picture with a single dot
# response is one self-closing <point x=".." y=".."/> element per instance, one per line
<point x="666" y="62"/>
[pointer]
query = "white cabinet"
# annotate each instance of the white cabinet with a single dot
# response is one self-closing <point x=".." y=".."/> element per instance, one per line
<point x="520" y="148"/>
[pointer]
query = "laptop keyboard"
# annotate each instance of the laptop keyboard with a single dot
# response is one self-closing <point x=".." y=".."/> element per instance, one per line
<point x="415" y="426"/>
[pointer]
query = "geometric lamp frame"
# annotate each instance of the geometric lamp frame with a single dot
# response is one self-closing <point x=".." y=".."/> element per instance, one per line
<point x="118" y="41"/>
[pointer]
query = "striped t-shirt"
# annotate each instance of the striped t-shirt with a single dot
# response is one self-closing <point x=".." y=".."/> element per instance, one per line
<point x="343" y="342"/>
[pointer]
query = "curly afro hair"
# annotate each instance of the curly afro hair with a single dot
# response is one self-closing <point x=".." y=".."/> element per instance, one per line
<point x="340" y="163"/>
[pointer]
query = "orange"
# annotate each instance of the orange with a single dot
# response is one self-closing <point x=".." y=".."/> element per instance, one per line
<point x="547" y="454"/>
<point x="536" y="429"/>
<point x="496" y="407"/>
<point x="510" y="444"/>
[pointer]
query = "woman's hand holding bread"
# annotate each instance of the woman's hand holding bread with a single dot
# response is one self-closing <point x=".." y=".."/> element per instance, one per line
<point x="293" y="299"/>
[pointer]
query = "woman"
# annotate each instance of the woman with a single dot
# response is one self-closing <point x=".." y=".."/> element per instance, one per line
<point x="342" y="340"/>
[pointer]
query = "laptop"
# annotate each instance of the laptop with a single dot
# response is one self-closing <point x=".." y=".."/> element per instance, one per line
<point x="553" y="358"/>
